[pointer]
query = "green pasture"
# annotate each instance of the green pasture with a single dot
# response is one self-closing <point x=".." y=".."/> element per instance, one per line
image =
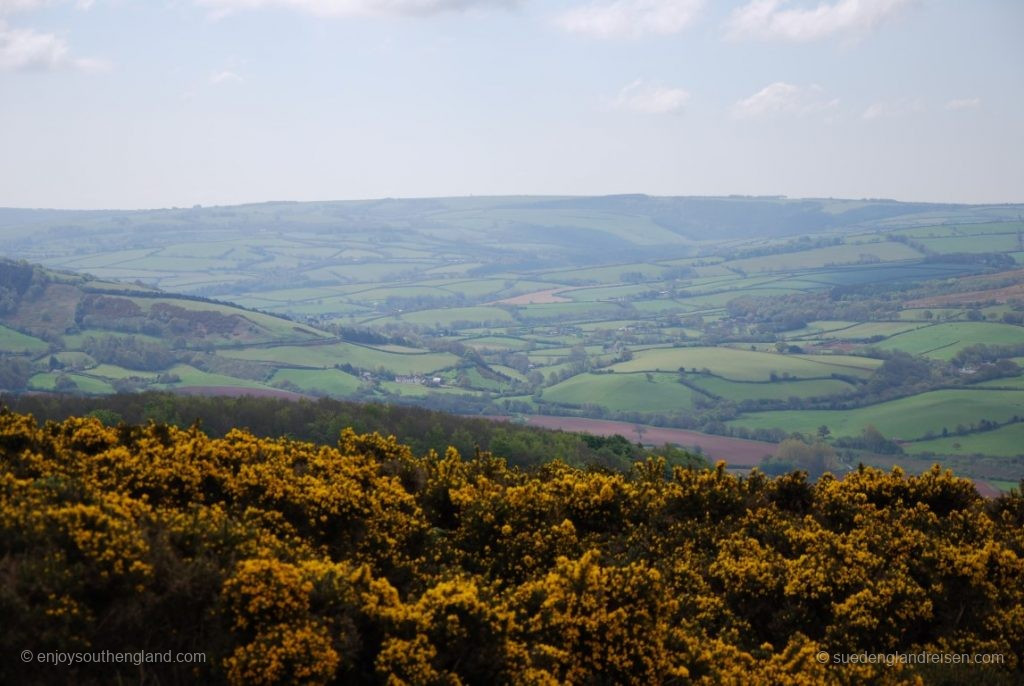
<point x="818" y="328"/>
<point x="624" y="392"/>
<point x="331" y="354"/>
<point x="1003" y="242"/>
<point x="110" y="371"/>
<point x="192" y="377"/>
<point x="297" y="295"/>
<point x="747" y="365"/>
<point x="366" y="271"/>
<point x="944" y="341"/>
<point x="661" y="305"/>
<point x="332" y="382"/>
<point x="597" y="293"/>
<point x="612" y="274"/>
<point x="12" y="341"/>
<point x="852" y="275"/>
<point x="870" y="330"/>
<point x="714" y="270"/>
<point x="1006" y="441"/>
<point x="607" y="324"/>
<point x="458" y="268"/>
<point x="568" y="310"/>
<point x="905" y="418"/>
<point x="336" y="307"/>
<point x="420" y="391"/>
<point x="723" y="298"/>
<point x="636" y="229"/>
<point x="97" y="260"/>
<point x="273" y="326"/>
<point x="1006" y="486"/>
<point x="1006" y="382"/>
<point x="381" y="294"/>
<point x="163" y="263"/>
<point x="446" y="317"/>
<point x="776" y="390"/>
<point x="483" y="343"/>
<point x="47" y="381"/>
<point x="491" y="288"/>
<point x="701" y="286"/>
<point x="883" y="251"/>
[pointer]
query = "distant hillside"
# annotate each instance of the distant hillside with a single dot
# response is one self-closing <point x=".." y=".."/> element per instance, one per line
<point x="62" y="331"/>
<point x="743" y="317"/>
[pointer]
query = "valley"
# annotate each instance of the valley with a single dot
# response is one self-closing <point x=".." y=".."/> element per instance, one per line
<point x="742" y="318"/>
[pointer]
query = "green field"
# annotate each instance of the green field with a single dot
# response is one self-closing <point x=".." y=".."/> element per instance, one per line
<point x="12" y="341"/>
<point x="332" y="382"/>
<point x="1006" y="441"/>
<point x="747" y="365"/>
<point x="1005" y="242"/>
<point x="496" y="343"/>
<point x="944" y="341"/>
<point x="906" y="418"/>
<point x="451" y="316"/>
<point x="779" y="390"/>
<point x="110" y="371"/>
<point x="870" y="330"/>
<point x="47" y="381"/>
<point x="197" y="378"/>
<point x="887" y="251"/>
<point x="362" y="357"/>
<point x="1006" y="382"/>
<point x="568" y="311"/>
<point x="629" y="392"/>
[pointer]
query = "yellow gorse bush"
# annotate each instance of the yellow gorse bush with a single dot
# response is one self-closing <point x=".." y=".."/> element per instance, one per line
<point x="289" y="562"/>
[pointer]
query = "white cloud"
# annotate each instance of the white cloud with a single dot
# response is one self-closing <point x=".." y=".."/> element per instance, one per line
<point x="12" y="6"/>
<point x="347" y="8"/>
<point x="651" y="99"/>
<point x="784" y="98"/>
<point x="28" y="49"/>
<point x="631" y="18"/>
<point x="964" y="104"/>
<point x="771" y="20"/>
<point x="226" y="76"/>
<point x="892" y="108"/>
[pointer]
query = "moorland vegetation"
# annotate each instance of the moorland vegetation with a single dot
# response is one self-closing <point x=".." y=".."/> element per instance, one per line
<point x="360" y="562"/>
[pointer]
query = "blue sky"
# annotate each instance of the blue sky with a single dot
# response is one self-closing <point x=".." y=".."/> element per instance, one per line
<point x="156" y="103"/>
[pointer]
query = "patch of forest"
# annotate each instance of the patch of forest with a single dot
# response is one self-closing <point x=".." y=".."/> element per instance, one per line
<point x="320" y="421"/>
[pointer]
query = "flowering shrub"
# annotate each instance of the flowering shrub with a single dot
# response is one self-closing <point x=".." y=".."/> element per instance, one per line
<point x="288" y="562"/>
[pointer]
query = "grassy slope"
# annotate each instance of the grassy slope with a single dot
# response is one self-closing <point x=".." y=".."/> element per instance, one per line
<point x="631" y="392"/>
<point x="905" y="418"/>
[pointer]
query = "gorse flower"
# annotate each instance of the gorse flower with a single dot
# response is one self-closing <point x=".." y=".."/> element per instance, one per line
<point x="289" y="562"/>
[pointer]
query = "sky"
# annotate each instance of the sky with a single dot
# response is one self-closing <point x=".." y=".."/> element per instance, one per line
<point x="163" y="103"/>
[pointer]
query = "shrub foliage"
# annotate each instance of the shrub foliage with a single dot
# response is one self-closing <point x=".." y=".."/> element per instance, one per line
<point x="290" y="562"/>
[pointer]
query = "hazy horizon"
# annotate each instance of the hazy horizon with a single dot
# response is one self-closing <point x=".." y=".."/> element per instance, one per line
<point x="221" y="102"/>
<point x="272" y="201"/>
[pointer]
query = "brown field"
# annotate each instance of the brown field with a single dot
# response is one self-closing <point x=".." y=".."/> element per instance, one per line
<point x="986" y="490"/>
<point x="535" y="298"/>
<point x="736" y="452"/>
